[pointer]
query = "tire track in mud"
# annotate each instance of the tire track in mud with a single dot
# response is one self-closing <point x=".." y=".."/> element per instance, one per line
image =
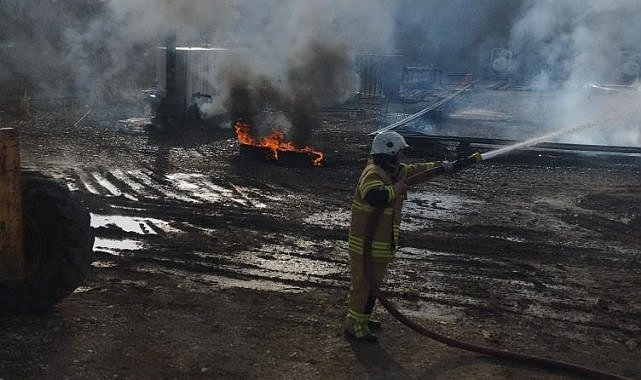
<point x="502" y="270"/>
<point x="219" y="228"/>
<point x="501" y="285"/>
<point x="229" y="235"/>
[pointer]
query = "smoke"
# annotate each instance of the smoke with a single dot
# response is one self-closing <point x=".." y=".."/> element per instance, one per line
<point x="288" y="56"/>
<point x="577" y="46"/>
<point x="297" y="60"/>
<point x="554" y="45"/>
<point x="573" y="42"/>
<point x="453" y="35"/>
<point x="311" y="68"/>
<point x="298" y="53"/>
<point x="32" y="41"/>
<point x="292" y="57"/>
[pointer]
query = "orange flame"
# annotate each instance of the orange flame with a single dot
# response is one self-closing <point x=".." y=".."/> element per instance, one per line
<point x="274" y="141"/>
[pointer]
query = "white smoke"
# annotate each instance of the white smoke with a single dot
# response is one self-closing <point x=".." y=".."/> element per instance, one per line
<point x="577" y="46"/>
<point x="575" y="41"/>
<point x="102" y="44"/>
<point x="96" y="47"/>
<point x="453" y="35"/>
<point x="267" y="36"/>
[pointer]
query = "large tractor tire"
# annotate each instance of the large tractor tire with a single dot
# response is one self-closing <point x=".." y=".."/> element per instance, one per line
<point x="58" y="243"/>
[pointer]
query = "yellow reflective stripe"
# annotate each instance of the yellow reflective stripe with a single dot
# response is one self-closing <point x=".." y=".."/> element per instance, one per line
<point x="364" y="206"/>
<point x="404" y="170"/>
<point x="358" y="242"/>
<point x="396" y="230"/>
<point x="358" y="322"/>
<point x="392" y="193"/>
<point x="369" y="185"/>
<point x="376" y="251"/>
<point x="381" y="249"/>
<point x="351" y="313"/>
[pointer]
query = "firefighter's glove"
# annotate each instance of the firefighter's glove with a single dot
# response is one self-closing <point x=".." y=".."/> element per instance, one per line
<point x="467" y="161"/>
<point x="476" y="157"/>
<point x="448" y="166"/>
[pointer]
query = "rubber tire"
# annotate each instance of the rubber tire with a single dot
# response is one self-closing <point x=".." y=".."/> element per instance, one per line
<point x="58" y="244"/>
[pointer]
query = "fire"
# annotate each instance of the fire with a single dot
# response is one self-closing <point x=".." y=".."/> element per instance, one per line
<point x="275" y="142"/>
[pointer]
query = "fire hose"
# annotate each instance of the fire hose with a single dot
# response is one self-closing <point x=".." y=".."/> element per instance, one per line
<point x="485" y="350"/>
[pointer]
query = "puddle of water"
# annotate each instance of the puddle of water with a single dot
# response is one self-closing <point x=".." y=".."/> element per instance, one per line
<point x="83" y="289"/>
<point x="421" y="207"/>
<point x="203" y="230"/>
<point x="272" y="263"/>
<point x="103" y="264"/>
<point x="509" y="238"/>
<point x="104" y="182"/>
<point x="274" y="260"/>
<point x="201" y="188"/>
<point x="133" y="224"/>
<point x="290" y="266"/>
<point x="147" y="179"/>
<point x="198" y="187"/>
<point x="243" y="191"/>
<point x="185" y="181"/>
<point x="418" y="211"/>
<point x="222" y="282"/>
<point x="330" y="219"/>
<point x="266" y="285"/>
<point x="122" y="176"/>
<point x="115" y="246"/>
<point x="87" y="184"/>
<point x="72" y="186"/>
<point x="416" y="253"/>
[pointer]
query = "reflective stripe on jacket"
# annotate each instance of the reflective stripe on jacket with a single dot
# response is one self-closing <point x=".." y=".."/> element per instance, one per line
<point x="386" y="234"/>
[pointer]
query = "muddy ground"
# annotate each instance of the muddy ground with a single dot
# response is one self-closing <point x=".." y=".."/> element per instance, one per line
<point x="211" y="265"/>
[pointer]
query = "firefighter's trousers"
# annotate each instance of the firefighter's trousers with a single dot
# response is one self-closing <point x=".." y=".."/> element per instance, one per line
<point x="361" y="301"/>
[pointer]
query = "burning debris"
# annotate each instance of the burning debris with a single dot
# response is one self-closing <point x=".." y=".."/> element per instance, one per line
<point x="322" y="74"/>
<point x="275" y="147"/>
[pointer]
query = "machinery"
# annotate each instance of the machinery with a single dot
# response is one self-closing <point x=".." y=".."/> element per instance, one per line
<point x="184" y="78"/>
<point x="46" y="238"/>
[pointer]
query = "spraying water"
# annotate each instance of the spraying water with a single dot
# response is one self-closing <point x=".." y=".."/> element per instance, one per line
<point x="433" y="172"/>
<point x="539" y="139"/>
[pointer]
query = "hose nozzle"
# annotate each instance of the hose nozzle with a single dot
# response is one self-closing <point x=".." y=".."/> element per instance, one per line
<point x="477" y="157"/>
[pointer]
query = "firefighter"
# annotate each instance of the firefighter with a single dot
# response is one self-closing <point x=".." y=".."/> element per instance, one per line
<point x="381" y="184"/>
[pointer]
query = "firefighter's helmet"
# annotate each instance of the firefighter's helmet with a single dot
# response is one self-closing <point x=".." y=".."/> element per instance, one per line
<point x="389" y="143"/>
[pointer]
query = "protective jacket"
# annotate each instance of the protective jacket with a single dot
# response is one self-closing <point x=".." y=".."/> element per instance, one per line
<point x="386" y="234"/>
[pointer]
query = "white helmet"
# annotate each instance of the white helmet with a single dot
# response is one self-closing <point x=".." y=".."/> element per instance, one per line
<point x="388" y="143"/>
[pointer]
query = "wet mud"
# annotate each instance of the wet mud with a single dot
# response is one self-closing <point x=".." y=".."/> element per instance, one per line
<point x="209" y="264"/>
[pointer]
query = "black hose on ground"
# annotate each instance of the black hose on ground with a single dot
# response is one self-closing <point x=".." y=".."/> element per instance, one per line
<point x="526" y="359"/>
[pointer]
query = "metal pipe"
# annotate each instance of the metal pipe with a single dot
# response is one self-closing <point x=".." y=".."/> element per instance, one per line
<point x="421" y="112"/>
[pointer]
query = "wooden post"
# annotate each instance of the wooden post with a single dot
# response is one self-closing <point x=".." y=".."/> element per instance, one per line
<point x="11" y="255"/>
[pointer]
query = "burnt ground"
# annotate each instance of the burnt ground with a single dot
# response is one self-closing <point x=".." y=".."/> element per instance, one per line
<point x="210" y="265"/>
